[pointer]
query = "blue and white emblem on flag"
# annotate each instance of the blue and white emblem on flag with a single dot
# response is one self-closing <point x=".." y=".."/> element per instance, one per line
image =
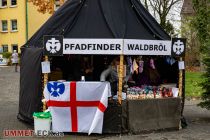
<point x="55" y="88"/>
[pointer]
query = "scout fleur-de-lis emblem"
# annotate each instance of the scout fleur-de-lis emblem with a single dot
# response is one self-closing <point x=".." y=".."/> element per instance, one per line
<point x="178" y="47"/>
<point x="53" y="45"/>
<point x="55" y="88"/>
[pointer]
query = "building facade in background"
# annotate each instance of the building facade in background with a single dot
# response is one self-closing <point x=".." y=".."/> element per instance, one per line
<point x="19" y="20"/>
<point x="187" y="9"/>
<point x="189" y="32"/>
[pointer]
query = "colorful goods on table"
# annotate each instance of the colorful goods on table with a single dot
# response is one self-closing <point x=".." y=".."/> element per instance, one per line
<point x="149" y="92"/>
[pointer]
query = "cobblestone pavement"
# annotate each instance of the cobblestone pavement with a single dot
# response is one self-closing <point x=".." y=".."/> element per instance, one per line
<point x="198" y="118"/>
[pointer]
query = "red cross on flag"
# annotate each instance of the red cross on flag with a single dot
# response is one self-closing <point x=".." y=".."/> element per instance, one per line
<point x="77" y="106"/>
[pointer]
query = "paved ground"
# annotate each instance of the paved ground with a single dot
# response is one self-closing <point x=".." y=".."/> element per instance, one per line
<point x="198" y="118"/>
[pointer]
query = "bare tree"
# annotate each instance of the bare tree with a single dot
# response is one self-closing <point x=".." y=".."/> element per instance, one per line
<point x="162" y="9"/>
<point x="146" y="4"/>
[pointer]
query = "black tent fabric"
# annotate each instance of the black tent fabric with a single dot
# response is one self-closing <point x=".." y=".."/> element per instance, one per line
<point x="82" y="19"/>
<point x="30" y="83"/>
<point x="101" y="19"/>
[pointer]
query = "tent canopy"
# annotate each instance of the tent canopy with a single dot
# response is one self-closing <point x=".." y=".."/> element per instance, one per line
<point x="126" y="19"/>
<point x="101" y="19"/>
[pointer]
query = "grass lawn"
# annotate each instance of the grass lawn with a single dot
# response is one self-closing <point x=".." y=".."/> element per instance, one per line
<point x="192" y="87"/>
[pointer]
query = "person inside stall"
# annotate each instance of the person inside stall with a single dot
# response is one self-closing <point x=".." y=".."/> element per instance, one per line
<point x="111" y="75"/>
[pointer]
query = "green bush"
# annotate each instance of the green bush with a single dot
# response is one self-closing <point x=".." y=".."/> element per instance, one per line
<point x="6" y="55"/>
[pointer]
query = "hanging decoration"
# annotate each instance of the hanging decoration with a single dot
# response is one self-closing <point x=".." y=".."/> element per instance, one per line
<point x="141" y="66"/>
<point x="135" y="66"/>
<point x="152" y="64"/>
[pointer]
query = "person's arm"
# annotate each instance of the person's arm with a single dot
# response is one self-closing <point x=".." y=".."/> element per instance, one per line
<point x="104" y="74"/>
<point x="127" y="77"/>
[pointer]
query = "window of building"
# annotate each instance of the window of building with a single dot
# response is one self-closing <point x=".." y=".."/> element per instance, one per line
<point x="1" y="51"/>
<point x="4" y="26"/>
<point x="14" y="47"/>
<point x="3" y="3"/>
<point x="5" y="48"/>
<point x="14" y="25"/>
<point x="57" y="4"/>
<point x="13" y="2"/>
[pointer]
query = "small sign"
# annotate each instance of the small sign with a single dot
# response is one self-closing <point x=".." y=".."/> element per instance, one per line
<point x="46" y="67"/>
<point x="175" y="92"/>
<point x="181" y="65"/>
<point x="53" y="45"/>
<point x="178" y="47"/>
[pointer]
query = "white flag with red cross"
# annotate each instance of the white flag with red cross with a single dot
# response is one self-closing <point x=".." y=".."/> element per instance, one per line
<point x="77" y="106"/>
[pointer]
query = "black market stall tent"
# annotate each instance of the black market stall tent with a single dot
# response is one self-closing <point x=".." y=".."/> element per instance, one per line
<point x="125" y="19"/>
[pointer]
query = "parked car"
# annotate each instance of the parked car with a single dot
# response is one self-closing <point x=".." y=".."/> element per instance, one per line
<point x="3" y="61"/>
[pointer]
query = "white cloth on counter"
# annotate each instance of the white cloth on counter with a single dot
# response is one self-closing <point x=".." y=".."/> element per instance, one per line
<point x="65" y="107"/>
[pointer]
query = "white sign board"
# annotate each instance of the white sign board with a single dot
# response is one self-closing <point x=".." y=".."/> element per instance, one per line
<point x="181" y="65"/>
<point x="106" y="46"/>
<point x="46" y="67"/>
<point x="146" y="47"/>
<point x="93" y="46"/>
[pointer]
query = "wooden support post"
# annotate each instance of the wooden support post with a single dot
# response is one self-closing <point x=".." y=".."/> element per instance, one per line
<point x="180" y="80"/>
<point x="45" y="83"/>
<point x="120" y="75"/>
<point x="180" y="88"/>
